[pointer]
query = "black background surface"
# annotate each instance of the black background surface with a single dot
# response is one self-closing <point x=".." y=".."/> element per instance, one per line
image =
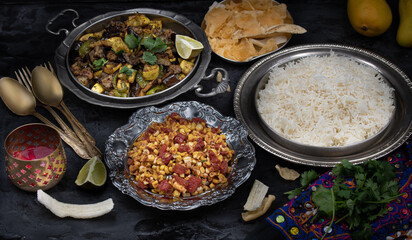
<point x="25" y="42"/>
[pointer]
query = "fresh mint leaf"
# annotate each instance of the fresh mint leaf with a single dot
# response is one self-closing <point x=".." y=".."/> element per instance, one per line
<point x="127" y="71"/>
<point x="132" y="41"/>
<point x="149" y="58"/>
<point x="99" y="63"/>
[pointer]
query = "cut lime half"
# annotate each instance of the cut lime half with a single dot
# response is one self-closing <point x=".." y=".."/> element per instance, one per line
<point x="188" y="47"/>
<point x="92" y="174"/>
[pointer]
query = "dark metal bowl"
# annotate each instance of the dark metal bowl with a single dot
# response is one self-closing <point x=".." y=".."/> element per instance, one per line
<point x="178" y="23"/>
<point x="398" y="130"/>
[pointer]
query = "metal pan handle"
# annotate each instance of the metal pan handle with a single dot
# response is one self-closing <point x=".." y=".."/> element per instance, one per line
<point x="221" y="88"/>
<point x="50" y="22"/>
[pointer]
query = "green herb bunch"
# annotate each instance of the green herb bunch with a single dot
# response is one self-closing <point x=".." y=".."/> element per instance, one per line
<point x="374" y="187"/>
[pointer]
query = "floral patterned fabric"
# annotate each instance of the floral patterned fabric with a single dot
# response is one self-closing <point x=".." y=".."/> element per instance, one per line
<point x="294" y="219"/>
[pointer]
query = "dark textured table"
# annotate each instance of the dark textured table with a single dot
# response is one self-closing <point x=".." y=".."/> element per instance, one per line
<point x="25" y="42"/>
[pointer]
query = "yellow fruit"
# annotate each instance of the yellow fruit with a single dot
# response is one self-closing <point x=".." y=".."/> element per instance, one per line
<point x="369" y="17"/>
<point x="404" y="35"/>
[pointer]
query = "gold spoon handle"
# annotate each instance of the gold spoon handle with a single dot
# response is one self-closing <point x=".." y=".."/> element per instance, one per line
<point x="90" y="146"/>
<point x="78" y="136"/>
<point x="69" y="115"/>
<point x="78" y="149"/>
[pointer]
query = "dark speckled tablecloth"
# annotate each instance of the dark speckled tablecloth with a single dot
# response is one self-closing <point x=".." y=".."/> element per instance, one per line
<point x="25" y="42"/>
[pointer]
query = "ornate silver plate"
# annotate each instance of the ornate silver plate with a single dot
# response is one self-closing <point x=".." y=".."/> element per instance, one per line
<point x="122" y="138"/>
<point x="396" y="133"/>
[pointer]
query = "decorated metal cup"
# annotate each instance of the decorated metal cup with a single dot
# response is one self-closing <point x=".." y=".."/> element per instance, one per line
<point x="35" y="157"/>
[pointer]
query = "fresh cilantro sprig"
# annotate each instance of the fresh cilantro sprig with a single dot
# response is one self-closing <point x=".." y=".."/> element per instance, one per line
<point x="99" y="63"/>
<point x="305" y="179"/>
<point x="128" y="71"/>
<point x="359" y="195"/>
<point x="132" y="41"/>
<point x="154" y="46"/>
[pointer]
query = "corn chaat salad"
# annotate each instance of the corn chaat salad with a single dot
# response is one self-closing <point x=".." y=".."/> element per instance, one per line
<point x="180" y="157"/>
<point x="131" y="58"/>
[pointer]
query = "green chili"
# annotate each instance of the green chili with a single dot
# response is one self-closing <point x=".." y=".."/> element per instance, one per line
<point x="139" y="79"/>
<point x="84" y="49"/>
<point x="156" y="89"/>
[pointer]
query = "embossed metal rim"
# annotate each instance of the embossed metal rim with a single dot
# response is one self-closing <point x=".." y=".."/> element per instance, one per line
<point x="119" y="141"/>
<point x="396" y="134"/>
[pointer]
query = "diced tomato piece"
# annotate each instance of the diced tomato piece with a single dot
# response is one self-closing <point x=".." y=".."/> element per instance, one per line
<point x="146" y="136"/>
<point x="162" y="150"/>
<point x="183" y="148"/>
<point x="223" y="167"/>
<point x="180" y="138"/>
<point x="166" y="130"/>
<point x="198" y="120"/>
<point x="224" y="153"/>
<point x="165" y="186"/>
<point x="140" y="184"/>
<point x="180" y="180"/>
<point x="150" y="130"/>
<point x="212" y="157"/>
<point x="199" y="145"/>
<point x="183" y="121"/>
<point x="179" y="169"/>
<point x="215" y="166"/>
<point x="193" y="183"/>
<point x="166" y="158"/>
<point x="130" y="161"/>
<point x="215" y="130"/>
<point x="174" y="115"/>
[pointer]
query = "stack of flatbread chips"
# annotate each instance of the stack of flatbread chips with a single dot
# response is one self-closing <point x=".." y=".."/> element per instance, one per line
<point x="242" y="29"/>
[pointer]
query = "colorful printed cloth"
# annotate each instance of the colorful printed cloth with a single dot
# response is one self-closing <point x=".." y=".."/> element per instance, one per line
<point x="294" y="219"/>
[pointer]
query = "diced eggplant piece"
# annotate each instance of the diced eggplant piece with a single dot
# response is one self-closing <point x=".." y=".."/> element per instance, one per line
<point x="171" y="80"/>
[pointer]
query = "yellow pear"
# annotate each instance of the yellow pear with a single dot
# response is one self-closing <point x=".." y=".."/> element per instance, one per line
<point x="369" y="17"/>
<point x="404" y="35"/>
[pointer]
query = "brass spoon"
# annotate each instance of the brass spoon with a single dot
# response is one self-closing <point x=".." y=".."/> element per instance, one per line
<point x="48" y="91"/>
<point x="66" y="111"/>
<point x="21" y="102"/>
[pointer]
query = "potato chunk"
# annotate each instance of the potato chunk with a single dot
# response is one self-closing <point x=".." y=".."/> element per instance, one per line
<point x="150" y="72"/>
<point x="137" y="20"/>
<point x="186" y="66"/>
<point x="97" y="88"/>
<point x="117" y="44"/>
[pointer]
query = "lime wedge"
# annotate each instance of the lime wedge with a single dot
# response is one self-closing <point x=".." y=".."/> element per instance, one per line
<point x="188" y="47"/>
<point x="92" y="174"/>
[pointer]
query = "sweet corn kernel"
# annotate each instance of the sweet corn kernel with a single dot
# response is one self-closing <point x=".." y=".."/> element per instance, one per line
<point x="176" y="193"/>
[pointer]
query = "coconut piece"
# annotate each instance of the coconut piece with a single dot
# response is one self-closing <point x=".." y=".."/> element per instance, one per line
<point x="82" y="211"/>
<point x="256" y="196"/>
<point x="266" y="203"/>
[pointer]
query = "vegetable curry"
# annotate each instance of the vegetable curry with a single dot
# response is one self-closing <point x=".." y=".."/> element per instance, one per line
<point x="131" y="58"/>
